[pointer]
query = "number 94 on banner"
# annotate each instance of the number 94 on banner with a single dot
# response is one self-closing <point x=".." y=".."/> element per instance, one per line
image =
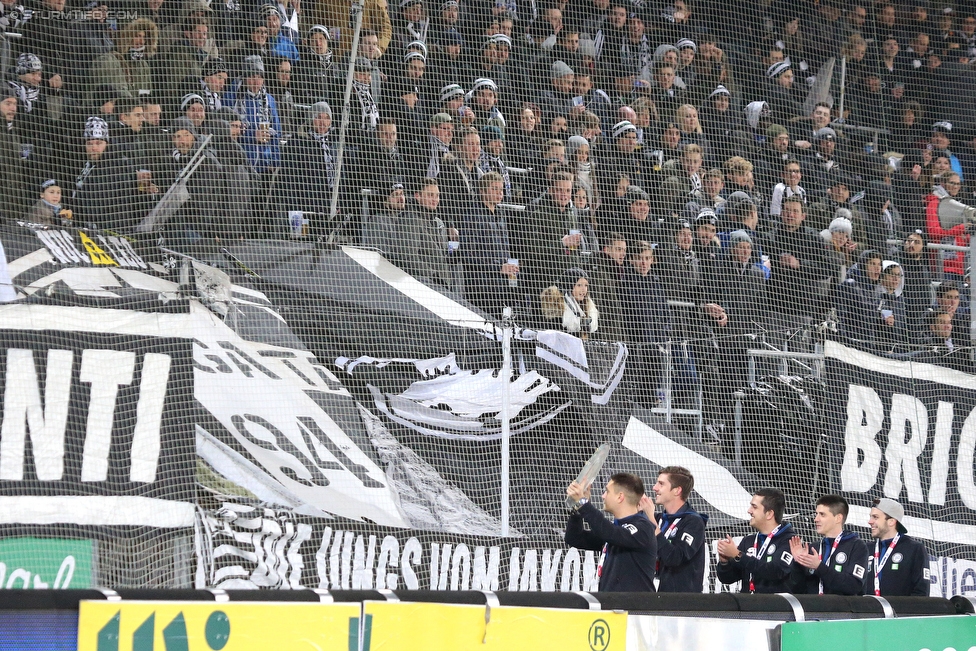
<point x="195" y="626"/>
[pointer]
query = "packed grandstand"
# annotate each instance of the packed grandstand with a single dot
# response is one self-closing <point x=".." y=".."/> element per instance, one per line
<point x="673" y="199"/>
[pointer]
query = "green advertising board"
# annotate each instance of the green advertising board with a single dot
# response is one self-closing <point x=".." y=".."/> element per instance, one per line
<point x="902" y="634"/>
<point x="56" y="563"/>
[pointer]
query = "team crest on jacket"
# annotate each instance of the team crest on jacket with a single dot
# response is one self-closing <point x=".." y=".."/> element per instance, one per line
<point x="772" y="548"/>
<point x="841" y="557"/>
<point x="897" y="558"/>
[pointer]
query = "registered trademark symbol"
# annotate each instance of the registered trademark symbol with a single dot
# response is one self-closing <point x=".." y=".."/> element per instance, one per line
<point x="599" y="635"/>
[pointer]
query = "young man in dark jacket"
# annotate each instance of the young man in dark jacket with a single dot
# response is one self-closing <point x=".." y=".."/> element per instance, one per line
<point x="680" y="532"/>
<point x="838" y="566"/>
<point x="762" y="560"/>
<point x="628" y="543"/>
<point x="900" y="566"/>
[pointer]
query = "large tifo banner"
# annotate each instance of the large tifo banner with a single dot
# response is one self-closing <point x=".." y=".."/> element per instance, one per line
<point x="282" y="415"/>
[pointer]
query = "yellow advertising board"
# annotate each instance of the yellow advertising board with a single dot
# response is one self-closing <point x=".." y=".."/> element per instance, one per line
<point x="208" y="626"/>
<point x="442" y="627"/>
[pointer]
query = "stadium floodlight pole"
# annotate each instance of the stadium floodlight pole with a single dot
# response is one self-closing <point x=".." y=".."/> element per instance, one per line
<point x="357" y="11"/>
<point x="504" y="414"/>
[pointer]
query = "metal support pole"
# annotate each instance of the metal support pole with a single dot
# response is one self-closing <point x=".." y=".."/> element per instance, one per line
<point x="504" y="415"/>
<point x="739" y="397"/>
<point x="972" y="296"/>
<point x="357" y="11"/>
<point x="668" y="357"/>
<point x="843" y="83"/>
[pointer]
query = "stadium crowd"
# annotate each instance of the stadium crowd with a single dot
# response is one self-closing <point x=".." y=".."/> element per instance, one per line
<point x="627" y="170"/>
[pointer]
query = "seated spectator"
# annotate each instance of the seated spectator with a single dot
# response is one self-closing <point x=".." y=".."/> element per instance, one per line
<point x="212" y="86"/>
<point x="773" y="154"/>
<point x="551" y="234"/>
<point x="570" y="302"/>
<point x="194" y="109"/>
<point x="741" y="284"/>
<point x="837" y="236"/>
<point x="127" y="67"/>
<point x="713" y="189"/>
<point x="788" y="187"/>
<point x="523" y="142"/>
<point x="259" y="111"/>
<point x="647" y="323"/>
<point x="686" y="118"/>
<point x="918" y="276"/>
<point x="946" y="189"/>
<point x="460" y="172"/>
<point x="557" y="100"/>
<point x="279" y="41"/>
<point x="784" y="100"/>
<point x="422" y="244"/>
<point x="707" y="246"/>
<point x="609" y="271"/>
<point x="493" y="156"/>
<point x="13" y="170"/>
<point x="583" y="166"/>
<point x="490" y="271"/>
<point x="683" y="181"/>
<point x="938" y="342"/>
<point x="105" y="184"/>
<point x="822" y="162"/>
<point x="719" y="122"/>
<point x="40" y="105"/>
<point x="204" y="213"/>
<point x="280" y="87"/>
<point x="739" y="213"/>
<point x="800" y="265"/>
<point x="483" y="99"/>
<point x="380" y="163"/>
<point x="856" y="300"/>
<point x="948" y="299"/>
<point x="186" y="58"/>
<point x="439" y="143"/>
<point x="740" y="177"/>
<point x="634" y="223"/>
<point x="48" y="208"/>
<point x="316" y="72"/>
<point x="378" y="229"/>
<point x="310" y="156"/>
<point x="666" y="91"/>
<point x="679" y="267"/>
<point x="893" y="330"/>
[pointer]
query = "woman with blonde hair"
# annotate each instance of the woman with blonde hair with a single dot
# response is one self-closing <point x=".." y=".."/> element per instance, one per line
<point x="126" y="68"/>
<point x="570" y="301"/>
<point x="686" y="117"/>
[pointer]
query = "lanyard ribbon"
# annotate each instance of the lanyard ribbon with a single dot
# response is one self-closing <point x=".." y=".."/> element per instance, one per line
<point x="758" y="555"/>
<point x="878" y="566"/>
<point x="830" y="553"/>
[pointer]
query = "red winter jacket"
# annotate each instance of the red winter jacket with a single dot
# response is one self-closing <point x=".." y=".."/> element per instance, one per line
<point x="954" y="261"/>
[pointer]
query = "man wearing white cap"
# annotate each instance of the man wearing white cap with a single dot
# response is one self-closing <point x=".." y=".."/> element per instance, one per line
<point x="900" y="566"/>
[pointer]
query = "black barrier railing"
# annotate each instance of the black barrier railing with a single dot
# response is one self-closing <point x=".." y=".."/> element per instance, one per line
<point x="725" y="605"/>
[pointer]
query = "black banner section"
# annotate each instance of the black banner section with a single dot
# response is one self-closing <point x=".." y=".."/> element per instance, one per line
<point x="93" y="416"/>
<point x="906" y="431"/>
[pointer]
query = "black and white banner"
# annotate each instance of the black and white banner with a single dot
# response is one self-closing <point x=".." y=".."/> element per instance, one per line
<point x="97" y="428"/>
<point x="906" y="431"/>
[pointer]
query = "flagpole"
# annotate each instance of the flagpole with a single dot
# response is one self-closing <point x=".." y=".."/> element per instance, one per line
<point x="504" y="414"/>
<point x="357" y="10"/>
